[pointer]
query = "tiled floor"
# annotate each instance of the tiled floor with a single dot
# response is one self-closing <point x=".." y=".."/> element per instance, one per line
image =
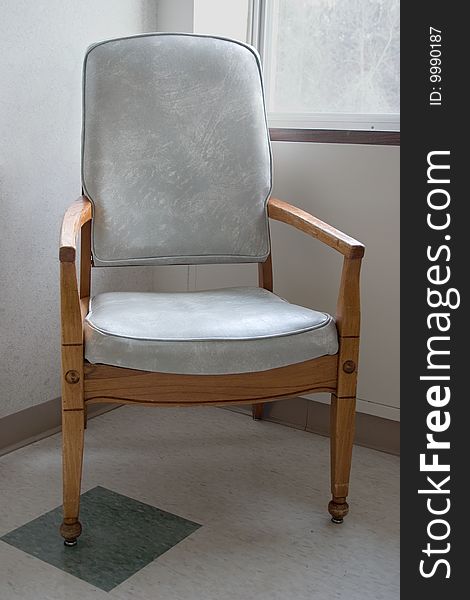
<point x="258" y="490"/>
<point x="133" y="533"/>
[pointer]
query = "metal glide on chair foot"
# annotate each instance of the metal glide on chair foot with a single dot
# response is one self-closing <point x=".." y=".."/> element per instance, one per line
<point x="338" y="509"/>
<point x="69" y="543"/>
<point x="70" y="532"/>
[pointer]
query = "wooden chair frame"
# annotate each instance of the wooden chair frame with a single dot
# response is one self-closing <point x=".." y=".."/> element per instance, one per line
<point x="84" y="383"/>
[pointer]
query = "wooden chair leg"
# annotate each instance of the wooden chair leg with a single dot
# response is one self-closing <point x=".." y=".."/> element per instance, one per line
<point x="72" y="459"/>
<point x="85" y="416"/>
<point x="342" y="414"/>
<point x="257" y="411"/>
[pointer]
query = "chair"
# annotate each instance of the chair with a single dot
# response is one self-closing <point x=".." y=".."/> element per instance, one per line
<point x="176" y="169"/>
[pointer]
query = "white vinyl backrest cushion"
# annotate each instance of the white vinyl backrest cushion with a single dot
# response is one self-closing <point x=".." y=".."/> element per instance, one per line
<point x="175" y="151"/>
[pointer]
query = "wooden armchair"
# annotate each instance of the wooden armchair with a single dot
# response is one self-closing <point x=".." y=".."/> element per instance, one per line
<point x="219" y="347"/>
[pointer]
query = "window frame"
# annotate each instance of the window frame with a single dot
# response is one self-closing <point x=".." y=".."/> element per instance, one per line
<point x="380" y="129"/>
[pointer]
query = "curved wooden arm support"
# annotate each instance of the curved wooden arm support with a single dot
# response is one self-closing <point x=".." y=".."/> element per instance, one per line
<point x="348" y="310"/>
<point x="300" y="219"/>
<point x="78" y="213"/>
<point x="77" y="220"/>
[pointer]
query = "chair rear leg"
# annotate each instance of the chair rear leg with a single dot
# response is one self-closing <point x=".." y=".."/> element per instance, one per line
<point x="72" y="459"/>
<point x="257" y="411"/>
<point x="342" y="415"/>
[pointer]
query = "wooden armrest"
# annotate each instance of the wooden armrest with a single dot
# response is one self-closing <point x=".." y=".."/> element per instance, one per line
<point x="300" y="219"/>
<point x="78" y="213"/>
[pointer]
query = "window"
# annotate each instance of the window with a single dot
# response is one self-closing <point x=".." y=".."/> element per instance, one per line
<point x="330" y="64"/>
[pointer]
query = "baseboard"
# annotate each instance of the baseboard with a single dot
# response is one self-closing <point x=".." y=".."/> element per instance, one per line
<point x="40" y="421"/>
<point x="301" y="413"/>
<point x="37" y="422"/>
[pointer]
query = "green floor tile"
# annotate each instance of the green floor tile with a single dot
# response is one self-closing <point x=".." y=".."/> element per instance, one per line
<point x="120" y="537"/>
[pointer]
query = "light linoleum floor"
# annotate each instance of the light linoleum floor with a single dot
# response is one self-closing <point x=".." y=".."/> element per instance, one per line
<point x="257" y="491"/>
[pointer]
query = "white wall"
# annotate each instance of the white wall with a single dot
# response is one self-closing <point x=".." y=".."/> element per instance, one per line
<point x="199" y="16"/>
<point x="177" y="15"/>
<point x="228" y="18"/>
<point x="42" y="47"/>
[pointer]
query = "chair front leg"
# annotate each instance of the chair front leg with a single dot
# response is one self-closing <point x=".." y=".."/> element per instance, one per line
<point x="73" y="423"/>
<point x="77" y="219"/>
<point x="343" y="402"/>
<point x="72" y="457"/>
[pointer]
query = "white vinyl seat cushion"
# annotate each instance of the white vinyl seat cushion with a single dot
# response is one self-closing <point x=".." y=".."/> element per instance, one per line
<point x="234" y="330"/>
